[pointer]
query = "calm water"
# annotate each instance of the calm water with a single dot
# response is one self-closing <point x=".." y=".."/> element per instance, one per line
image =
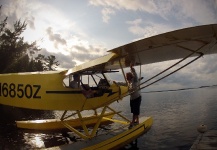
<point x="176" y="116"/>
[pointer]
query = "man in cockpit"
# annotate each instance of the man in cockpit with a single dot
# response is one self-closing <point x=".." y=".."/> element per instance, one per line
<point x="76" y="82"/>
<point x="85" y="89"/>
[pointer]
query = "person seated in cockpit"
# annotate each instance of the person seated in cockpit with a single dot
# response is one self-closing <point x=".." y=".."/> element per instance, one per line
<point x="76" y="82"/>
<point x="86" y="90"/>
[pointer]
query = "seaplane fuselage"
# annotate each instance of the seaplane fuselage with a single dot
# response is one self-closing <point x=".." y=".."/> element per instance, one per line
<point x="46" y="91"/>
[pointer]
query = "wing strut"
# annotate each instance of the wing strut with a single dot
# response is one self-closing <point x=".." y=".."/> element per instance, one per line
<point x="171" y="72"/>
<point x="191" y="54"/>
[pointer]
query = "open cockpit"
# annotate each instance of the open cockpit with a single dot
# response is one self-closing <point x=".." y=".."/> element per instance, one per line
<point x="96" y="83"/>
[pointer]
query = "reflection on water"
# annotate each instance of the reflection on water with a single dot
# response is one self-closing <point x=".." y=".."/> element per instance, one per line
<point x="176" y="116"/>
<point x="35" y="140"/>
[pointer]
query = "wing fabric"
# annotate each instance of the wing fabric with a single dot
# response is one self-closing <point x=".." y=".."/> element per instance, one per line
<point x="168" y="46"/>
<point x="94" y="65"/>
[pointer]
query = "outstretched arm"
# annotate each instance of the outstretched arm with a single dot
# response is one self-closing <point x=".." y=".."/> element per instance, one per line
<point x="131" y="68"/>
<point x="133" y="71"/>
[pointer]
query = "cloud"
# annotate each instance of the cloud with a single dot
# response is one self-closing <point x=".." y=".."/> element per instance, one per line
<point x="65" y="61"/>
<point x="138" y="28"/>
<point x="76" y="52"/>
<point x="148" y="6"/>
<point x="142" y="29"/>
<point x="84" y="56"/>
<point x="31" y="23"/>
<point x="106" y="12"/>
<point x="56" y="38"/>
<point x="83" y="51"/>
<point x="202" y="12"/>
<point x="19" y="10"/>
<point x="197" y="11"/>
<point x="109" y="6"/>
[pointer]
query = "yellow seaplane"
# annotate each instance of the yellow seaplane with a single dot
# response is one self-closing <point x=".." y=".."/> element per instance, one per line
<point x="52" y="91"/>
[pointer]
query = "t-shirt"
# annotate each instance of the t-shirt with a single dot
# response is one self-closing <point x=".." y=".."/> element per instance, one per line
<point x="134" y="86"/>
<point x="74" y="84"/>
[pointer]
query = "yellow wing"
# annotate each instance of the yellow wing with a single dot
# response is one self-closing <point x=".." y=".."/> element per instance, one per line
<point x="168" y="46"/>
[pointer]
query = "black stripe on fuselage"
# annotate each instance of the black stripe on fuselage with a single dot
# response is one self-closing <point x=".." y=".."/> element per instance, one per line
<point x="63" y="92"/>
<point x="77" y="92"/>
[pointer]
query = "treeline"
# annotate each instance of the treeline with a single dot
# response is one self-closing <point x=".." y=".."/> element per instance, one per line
<point x="16" y="55"/>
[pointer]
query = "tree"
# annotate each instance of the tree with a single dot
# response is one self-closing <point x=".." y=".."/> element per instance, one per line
<point x="15" y="53"/>
<point x="51" y="62"/>
<point x="13" y="49"/>
<point x="15" y="56"/>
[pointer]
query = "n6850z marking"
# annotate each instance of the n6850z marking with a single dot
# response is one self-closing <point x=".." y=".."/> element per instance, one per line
<point x="21" y="91"/>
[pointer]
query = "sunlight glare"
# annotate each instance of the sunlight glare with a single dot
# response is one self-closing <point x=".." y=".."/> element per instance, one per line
<point x="35" y="140"/>
<point x="38" y="141"/>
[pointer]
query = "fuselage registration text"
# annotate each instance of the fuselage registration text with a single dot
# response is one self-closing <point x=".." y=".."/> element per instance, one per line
<point x="20" y="90"/>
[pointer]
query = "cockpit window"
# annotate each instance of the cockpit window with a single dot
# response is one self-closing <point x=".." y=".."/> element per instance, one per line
<point x="91" y="85"/>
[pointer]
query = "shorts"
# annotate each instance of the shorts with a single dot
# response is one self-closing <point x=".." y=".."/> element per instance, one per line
<point x="135" y="105"/>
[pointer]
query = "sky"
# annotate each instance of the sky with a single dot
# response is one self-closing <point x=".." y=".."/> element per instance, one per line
<point x="81" y="30"/>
